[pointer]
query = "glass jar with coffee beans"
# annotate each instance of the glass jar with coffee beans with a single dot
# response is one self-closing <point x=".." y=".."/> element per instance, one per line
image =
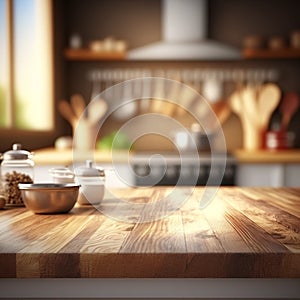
<point x="17" y="167"/>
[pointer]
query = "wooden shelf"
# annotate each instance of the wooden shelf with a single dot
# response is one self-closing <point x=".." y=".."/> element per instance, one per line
<point x="88" y="55"/>
<point x="291" y="156"/>
<point x="271" y="54"/>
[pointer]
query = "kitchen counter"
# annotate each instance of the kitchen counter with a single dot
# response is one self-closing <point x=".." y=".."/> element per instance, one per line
<point x="243" y="233"/>
<point x="49" y="156"/>
<point x="268" y="156"/>
<point x="52" y="156"/>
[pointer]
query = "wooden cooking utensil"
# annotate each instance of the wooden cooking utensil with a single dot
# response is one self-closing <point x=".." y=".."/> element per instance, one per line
<point x="222" y="110"/>
<point x="78" y="105"/>
<point x="251" y="132"/>
<point x="249" y="103"/>
<point x="97" y="109"/>
<point x="254" y="111"/>
<point x="67" y="112"/>
<point x="268" y="100"/>
<point x="288" y="107"/>
<point x="85" y="132"/>
<point x="235" y="103"/>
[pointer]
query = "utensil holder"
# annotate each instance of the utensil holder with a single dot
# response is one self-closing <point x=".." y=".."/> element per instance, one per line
<point x="84" y="135"/>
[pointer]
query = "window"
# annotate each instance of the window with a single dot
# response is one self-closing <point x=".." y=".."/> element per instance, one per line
<point x="4" y="70"/>
<point x="26" y="68"/>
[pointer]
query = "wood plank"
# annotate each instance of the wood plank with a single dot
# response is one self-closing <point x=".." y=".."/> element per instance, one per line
<point x="267" y="156"/>
<point x="88" y="55"/>
<point x="162" y="236"/>
<point x="271" y="54"/>
<point x="24" y="231"/>
<point x="254" y="236"/>
<point x="264" y="219"/>
<point x="57" y="237"/>
<point x="110" y="235"/>
<point x="225" y="233"/>
<point x="199" y="235"/>
<point x="10" y="216"/>
<point x="281" y="216"/>
<point x="132" y="265"/>
<point x="286" y="201"/>
<point x="75" y="245"/>
<point x="125" y="206"/>
<point x="28" y="266"/>
<point x="8" y="265"/>
<point x="285" y="198"/>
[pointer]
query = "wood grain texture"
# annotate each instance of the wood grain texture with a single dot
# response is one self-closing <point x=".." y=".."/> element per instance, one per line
<point x="244" y="232"/>
<point x="50" y="156"/>
<point x="289" y="156"/>
<point x="88" y="55"/>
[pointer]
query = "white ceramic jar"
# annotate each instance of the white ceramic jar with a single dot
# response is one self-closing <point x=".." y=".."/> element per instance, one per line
<point x="92" y="184"/>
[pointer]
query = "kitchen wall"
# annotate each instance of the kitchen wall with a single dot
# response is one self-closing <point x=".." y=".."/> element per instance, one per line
<point x="139" y="23"/>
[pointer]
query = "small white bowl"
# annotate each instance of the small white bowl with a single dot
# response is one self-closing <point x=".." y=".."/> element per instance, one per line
<point x="62" y="175"/>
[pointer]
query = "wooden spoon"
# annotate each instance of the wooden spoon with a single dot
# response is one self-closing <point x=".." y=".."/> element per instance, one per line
<point x="222" y="110"/>
<point x="235" y="103"/>
<point x="67" y="112"/>
<point x="288" y="107"/>
<point x="249" y="103"/>
<point x="251" y="138"/>
<point x="268" y="100"/>
<point x="97" y="109"/>
<point x="78" y="105"/>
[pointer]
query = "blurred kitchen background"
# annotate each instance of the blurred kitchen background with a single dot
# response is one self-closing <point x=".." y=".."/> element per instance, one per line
<point x="92" y="45"/>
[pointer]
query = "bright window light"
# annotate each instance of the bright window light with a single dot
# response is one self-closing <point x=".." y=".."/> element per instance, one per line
<point x="4" y="67"/>
<point x="26" y="65"/>
<point x="33" y="89"/>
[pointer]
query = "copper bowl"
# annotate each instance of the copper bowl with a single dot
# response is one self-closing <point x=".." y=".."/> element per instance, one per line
<point x="49" y="198"/>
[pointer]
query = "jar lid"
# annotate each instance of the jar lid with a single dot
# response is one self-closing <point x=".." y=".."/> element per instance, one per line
<point x="89" y="170"/>
<point x="61" y="172"/>
<point x="17" y="153"/>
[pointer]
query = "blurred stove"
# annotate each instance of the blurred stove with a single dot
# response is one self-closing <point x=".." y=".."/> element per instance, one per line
<point x="171" y="169"/>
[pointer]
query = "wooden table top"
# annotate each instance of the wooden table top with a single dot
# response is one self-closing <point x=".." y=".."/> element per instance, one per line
<point x="243" y="232"/>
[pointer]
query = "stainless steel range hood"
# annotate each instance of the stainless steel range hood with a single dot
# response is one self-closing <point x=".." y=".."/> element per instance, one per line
<point x="184" y="32"/>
